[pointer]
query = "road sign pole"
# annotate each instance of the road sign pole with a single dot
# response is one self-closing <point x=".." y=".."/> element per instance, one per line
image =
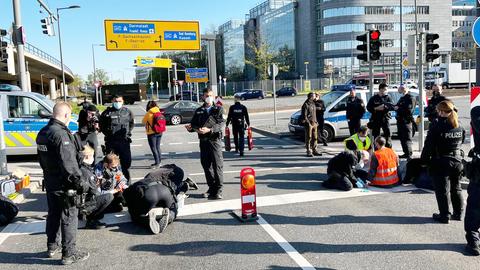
<point x="3" y="151"/>
<point x="156" y="84"/>
<point x="175" y="87"/>
<point x="421" y="89"/>
<point x="196" y="89"/>
<point x="17" y="28"/>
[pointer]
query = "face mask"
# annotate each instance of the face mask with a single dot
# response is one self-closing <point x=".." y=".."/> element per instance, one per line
<point x="89" y="161"/>
<point x="118" y="105"/>
<point x="209" y="100"/>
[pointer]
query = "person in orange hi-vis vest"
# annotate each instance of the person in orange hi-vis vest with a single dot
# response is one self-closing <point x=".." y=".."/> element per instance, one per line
<point x="383" y="166"/>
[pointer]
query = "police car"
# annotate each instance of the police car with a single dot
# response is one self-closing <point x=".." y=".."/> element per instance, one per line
<point x="336" y="125"/>
<point x="24" y="114"/>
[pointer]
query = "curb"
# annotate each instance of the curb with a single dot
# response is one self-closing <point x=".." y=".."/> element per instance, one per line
<point x="270" y="134"/>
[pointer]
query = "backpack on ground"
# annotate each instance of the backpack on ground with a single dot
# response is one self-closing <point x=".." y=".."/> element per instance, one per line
<point x="159" y="123"/>
<point x="8" y="210"/>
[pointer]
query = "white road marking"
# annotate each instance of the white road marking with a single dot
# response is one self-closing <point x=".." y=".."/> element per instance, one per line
<point x="21" y="228"/>
<point x="136" y="145"/>
<point x="289" y="249"/>
<point x="175" y="143"/>
<point x="193" y="142"/>
<point x="182" y="153"/>
<point x="140" y="139"/>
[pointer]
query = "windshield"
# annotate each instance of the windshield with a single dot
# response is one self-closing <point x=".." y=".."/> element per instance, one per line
<point x="45" y="99"/>
<point x="166" y="105"/>
<point x="330" y="97"/>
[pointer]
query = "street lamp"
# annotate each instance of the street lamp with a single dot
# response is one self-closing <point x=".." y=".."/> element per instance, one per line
<point x="306" y="70"/>
<point x="95" y="69"/>
<point x="61" y="53"/>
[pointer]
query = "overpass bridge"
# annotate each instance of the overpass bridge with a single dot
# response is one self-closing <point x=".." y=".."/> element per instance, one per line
<point x="41" y="68"/>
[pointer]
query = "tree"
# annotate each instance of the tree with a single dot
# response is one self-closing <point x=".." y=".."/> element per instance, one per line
<point x="458" y="56"/>
<point x="262" y="58"/>
<point x="101" y="75"/>
<point x="77" y="82"/>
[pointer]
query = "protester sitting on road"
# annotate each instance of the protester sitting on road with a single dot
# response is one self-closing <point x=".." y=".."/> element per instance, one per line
<point x="112" y="181"/>
<point x="154" y="138"/>
<point x="341" y="169"/>
<point x="154" y="199"/>
<point x="361" y="139"/>
<point x="95" y="203"/>
<point x="383" y="165"/>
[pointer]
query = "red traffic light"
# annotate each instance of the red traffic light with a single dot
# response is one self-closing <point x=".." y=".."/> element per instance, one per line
<point x="374" y="35"/>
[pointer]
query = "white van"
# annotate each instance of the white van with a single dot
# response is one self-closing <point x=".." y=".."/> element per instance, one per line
<point x="336" y="125"/>
<point x="24" y="114"/>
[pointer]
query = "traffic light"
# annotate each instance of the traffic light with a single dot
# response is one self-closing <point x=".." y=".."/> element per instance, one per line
<point x="375" y="45"/>
<point x="47" y="26"/>
<point x="363" y="48"/>
<point x="3" y="45"/>
<point x="430" y="47"/>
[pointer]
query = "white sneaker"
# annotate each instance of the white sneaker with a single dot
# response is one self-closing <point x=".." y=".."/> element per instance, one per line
<point x="163" y="223"/>
<point x="152" y="219"/>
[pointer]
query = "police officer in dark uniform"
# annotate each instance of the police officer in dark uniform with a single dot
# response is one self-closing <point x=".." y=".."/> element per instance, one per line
<point x="59" y="159"/>
<point x="443" y="152"/>
<point x="405" y="107"/>
<point x="355" y="111"/>
<point x="437" y="97"/>
<point x="88" y="125"/>
<point x="238" y="116"/>
<point x="117" y="123"/>
<point x="472" y="172"/>
<point x="208" y="122"/>
<point x="320" y="106"/>
<point x="380" y="106"/>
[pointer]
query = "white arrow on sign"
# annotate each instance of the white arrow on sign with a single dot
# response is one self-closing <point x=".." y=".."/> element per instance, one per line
<point x="273" y="69"/>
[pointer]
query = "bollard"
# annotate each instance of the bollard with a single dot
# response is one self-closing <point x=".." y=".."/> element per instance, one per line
<point x="248" y="196"/>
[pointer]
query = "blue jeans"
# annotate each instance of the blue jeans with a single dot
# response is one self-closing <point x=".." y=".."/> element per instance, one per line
<point x="154" y="143"/>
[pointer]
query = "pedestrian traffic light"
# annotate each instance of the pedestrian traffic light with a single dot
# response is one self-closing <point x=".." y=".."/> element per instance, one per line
<point x="363" y="48"/>
<point x="375" y="45"/>
<point x="3" y="45"/>
<point x="430" y="47"/>
<point x="47" y="26"/>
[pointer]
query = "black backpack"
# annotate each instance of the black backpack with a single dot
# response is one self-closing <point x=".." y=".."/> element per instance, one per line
<point x="8" y="210"/>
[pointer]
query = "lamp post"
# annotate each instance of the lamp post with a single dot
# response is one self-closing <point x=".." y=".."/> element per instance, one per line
<point x="306" y="70"/>
<point x="64" y="90"/>
<point x="94" y="68"/>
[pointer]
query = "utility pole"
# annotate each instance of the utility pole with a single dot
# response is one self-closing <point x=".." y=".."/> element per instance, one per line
<point x="19" y="43"/>
<point x="477" y="51"/>
<point x="401" y="41"/>
<point x="175" y="88"/>
<point x="421" y="89"/>
<point x="3" y="150"/>
<point x="212" y="62"/>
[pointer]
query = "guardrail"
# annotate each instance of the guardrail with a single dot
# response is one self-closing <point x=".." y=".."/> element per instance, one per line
<point x="45" y="56"/>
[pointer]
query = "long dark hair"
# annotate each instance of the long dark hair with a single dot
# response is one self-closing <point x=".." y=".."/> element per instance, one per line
<point x="151" y="104"/>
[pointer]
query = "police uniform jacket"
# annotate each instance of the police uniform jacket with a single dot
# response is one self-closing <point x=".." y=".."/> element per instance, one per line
<point x="117" y="124"/>
<point x="443" y="141"/>
<point x="355" y="108"/>
<point x="406" y="105"/>
<point x="212" y="118"/>
<point x="238" y="115"/>
<point x="320" y="109"/>
<point x="58" y="154"/>
<point x="431" y="110"/>
<point x="377" y="100"/>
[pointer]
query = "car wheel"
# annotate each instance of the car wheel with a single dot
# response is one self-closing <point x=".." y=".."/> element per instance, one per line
<point x="293" y="94"/>
<point x="242" y="98"/>
<point x="260" y="97"/>
<point x="328" y="133"/>
<point x="176" y="119"/>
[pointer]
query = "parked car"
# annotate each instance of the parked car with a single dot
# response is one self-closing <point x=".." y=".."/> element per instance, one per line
<point x="336" y="125"/>
<point x="250" y="94"/>
<point x="286" y="91"/>
<point x="177" y="112"/>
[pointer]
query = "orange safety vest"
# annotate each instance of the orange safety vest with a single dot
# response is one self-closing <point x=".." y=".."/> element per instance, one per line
<point x="386" y="174"/>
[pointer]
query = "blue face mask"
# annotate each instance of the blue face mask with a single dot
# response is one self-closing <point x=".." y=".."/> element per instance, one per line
<point x="117" y="105"/>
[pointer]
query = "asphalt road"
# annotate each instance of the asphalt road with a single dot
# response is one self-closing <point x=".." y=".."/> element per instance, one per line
<point x="301" y="226"/>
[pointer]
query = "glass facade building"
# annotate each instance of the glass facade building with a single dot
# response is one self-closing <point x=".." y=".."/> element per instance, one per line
<point x="232" y="33"/>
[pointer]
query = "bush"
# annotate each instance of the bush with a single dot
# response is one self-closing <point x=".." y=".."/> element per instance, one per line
<point x="77" y="108"/>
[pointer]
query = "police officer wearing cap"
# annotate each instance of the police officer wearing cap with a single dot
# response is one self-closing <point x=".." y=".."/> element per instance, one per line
<point x="58" y="155"/>
<point x="355" y="111"/>
<point x="437" y="97"/>
<point x="208" y="122"/>
<point x="117" y="123"/>
<point x="472" y="172"/>
<point x="405" y="121"/>
<point x="443" y="152"/>
<point x="238" y="116"/>
<point x="380" y="106"/>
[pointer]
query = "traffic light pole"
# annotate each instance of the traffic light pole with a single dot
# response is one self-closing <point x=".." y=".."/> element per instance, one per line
<point x="370" y="65"/>
<point x="421" y="89"/>
<point x="3" y="151"/>
<point x="17" y="29"/>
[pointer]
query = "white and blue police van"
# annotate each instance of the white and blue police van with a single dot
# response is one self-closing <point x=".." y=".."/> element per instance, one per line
<point x="24" y="114"/>
<point x="336" y="125"/>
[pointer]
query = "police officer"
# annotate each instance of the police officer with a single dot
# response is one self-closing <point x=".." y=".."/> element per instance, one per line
<point x="320" y="106"/>
<point x="117" y="123"/>
<point x="443" y="152"/>
<point x="405" y="121"/>
<point x="238" y="116"/>
<point x="208" y="122"/>
<point x="59" y="159"/>
<point x="355" y="111"/>
<point x="472" y="213"/>
<point x="88" y="124"/>
<point x="437" y="97"/>
<point x="380" y="106"/>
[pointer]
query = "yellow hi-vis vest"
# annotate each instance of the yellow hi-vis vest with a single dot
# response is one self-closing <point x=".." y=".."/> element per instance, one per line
<point x="360" y="145"/>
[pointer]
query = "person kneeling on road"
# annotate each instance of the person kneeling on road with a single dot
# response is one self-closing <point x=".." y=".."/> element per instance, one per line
<point x="342" y="169"/>
<point x="95" y="202"/>
<point x="111" y="181"/>
<point x="153" y="200"/>
<point x="384" y="165"/>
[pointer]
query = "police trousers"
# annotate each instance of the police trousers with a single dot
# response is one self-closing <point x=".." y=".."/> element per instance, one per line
<point x="62" y="224"/>
<point x="405" y="135"/>
<point x="211" y="157"/>
<point x="446" y="173"/>
<point x="239" y="137"/>
<point x="385" y="126"/>
<point x="472" y="214"/>
<point x="121" y="147"/>
<point x="354" y="125"/>
<point x="321" y="124"/>
<point x="102" y="202"/>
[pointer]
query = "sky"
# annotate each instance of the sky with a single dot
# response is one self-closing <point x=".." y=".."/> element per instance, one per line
<point x="84" y="26"/>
